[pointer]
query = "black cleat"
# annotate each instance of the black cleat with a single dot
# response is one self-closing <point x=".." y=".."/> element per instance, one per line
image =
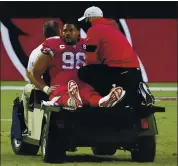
<point x="145" y="92"/>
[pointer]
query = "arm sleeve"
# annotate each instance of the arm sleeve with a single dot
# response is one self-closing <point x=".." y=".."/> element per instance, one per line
<point x="48" y="47"/>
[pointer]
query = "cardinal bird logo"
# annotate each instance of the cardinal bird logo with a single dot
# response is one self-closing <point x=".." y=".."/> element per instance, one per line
<point x="20" y="37"/>
<point x="10" y="38"/>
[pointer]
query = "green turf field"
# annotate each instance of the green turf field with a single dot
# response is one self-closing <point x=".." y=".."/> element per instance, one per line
<point x="166" y="140"/>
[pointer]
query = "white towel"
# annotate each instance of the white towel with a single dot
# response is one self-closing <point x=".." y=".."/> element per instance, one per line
<point x="51" y="103"/>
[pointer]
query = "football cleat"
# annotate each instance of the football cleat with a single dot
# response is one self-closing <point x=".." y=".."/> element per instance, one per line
<point x="115" y="96"/>
<point x="147" y="97"/>
<point x="75" y="99"/>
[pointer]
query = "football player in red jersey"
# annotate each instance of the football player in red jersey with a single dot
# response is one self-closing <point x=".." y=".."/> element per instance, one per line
<point x="63" y="57"/>
<point x="119" y="64"/>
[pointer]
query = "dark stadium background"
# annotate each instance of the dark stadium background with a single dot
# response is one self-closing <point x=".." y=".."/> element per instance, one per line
<point x="71" y="10"/>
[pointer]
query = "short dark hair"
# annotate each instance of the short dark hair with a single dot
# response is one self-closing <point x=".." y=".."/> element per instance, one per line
<point x="73" y="22"/>
<point x="51" y="28"/>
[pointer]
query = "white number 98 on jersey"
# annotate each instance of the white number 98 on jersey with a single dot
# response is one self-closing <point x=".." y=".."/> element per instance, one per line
<point x="73" y="61"/>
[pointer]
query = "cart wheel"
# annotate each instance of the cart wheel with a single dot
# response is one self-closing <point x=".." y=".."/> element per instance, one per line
<point x="146" y="150"/>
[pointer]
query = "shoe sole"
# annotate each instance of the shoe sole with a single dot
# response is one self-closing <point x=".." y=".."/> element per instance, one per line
<point x="116" y="96"/>
<point x="73" y="91"/>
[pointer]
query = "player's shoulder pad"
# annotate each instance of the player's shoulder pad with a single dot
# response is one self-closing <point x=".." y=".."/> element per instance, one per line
<point x="52" y="39"/>
<point x="50" y="44"/>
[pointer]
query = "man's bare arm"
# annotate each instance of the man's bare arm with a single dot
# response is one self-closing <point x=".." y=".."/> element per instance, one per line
<point x="40" y="66"/>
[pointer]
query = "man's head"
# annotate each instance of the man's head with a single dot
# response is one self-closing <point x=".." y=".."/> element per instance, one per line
<point x="91" y="13"/>
<point x="70" y="33"/>
<point x="50" y="29"/>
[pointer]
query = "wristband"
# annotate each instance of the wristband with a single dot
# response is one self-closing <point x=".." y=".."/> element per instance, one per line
<point x="45" y="89"/>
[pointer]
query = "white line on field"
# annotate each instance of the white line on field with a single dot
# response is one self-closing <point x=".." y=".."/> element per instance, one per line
<point x="163" y="88"/>
<point x="6" y="120"/>
<point x="5" y="132"/>
<point x="12" y="87"/>
<point x="165" y="98"/>
<point x="151" y="88"/>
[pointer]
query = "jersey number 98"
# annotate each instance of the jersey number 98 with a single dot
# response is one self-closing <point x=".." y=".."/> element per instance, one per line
<point x="72" y="61"/>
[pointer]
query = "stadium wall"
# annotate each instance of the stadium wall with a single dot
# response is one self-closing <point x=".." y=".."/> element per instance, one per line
<point x="155" y="41"/>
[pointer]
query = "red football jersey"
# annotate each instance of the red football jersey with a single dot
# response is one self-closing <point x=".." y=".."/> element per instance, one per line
<point x="113" y="48"/>
<point x="67" y="59"/>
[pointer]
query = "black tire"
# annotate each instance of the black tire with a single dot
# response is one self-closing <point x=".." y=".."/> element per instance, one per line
<point x="146" y="150"/>
<point x="22" y="148"/>
<point x="103" y="150"/>
<point x="51" y="150"/>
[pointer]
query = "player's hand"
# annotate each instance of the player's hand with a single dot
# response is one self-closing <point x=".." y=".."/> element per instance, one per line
<point x="51" y="89"/>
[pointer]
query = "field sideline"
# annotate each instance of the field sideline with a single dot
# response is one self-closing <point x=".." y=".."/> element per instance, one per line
<point x="22" y="83"/>
<point x="166" y="140"/>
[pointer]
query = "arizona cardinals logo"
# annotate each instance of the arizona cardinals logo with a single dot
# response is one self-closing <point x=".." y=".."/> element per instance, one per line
<point x="19" y="38"/>
<point x="10" y="34"/>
